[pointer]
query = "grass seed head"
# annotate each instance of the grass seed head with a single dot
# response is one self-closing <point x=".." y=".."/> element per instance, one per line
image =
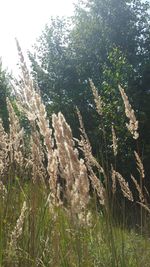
<point x="133" y="123"/>
<point x="140" y="166"/>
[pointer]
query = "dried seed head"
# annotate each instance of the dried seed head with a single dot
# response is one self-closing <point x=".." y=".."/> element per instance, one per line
<point x="113" y="176"/>
<point x="17" y="232"/>
<point x="114" y="141"/>
<point x="124" y="186"/>
<point x="72" y="170"/>
<point x="85" y="146"/>
<point x="90" y="161"/>
<point x="133" y="123"/>
<point x="140" y="166"/>
<point x="141" y="196"/>
<point x="16" y="137"/>
<point x="3" y="149"/>
<point x="55" y="187"/>
<point x="98" y="187"/>
<point x="31" y="103"/>
<point x="37" y="158"/>
<point x="97" y="98"/>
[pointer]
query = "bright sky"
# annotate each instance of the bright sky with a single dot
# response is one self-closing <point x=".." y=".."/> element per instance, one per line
<point x="25" y="20"/>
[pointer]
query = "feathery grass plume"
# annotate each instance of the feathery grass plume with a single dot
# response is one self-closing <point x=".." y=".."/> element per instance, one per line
<point x="140" y="166"/>
<point x="72" y="170"/>
<point x="16" y="135"/>
<point x="90" y="161"/>
<point x="24" y="88"/>
<point x="124" y="186"/>
<point x="31" y="103"/>
<point x="37" y="157"/>
<point x="113" y="176"/>
<point x="44" y="127"/>
<point x="55" y="188"/>
<point x="80" y="194"/>
<point x="141" y="196"/>
<point x="98" y="187"/>
<point x="67" y="154"/>
<point x="17" y="232"/>
<point x="3" y="190"/>
<point x="80" y="190"/>
<point x="85" y="146"/>
<point x="83" y="185"/>
<point x="3" y="149"/>
<point x="46" y="132"/>
<point x="133" y="123"/>
<point x="97" y="98"/>
<point x="114" y="141"/>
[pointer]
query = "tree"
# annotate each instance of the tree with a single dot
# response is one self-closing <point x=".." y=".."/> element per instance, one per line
<point x="99" y="25"/>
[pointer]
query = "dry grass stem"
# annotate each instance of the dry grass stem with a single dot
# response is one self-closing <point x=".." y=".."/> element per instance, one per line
<point x="144" y="206"/>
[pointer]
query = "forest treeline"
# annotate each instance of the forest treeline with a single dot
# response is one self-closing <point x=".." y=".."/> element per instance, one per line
<point x="107" y="41"/>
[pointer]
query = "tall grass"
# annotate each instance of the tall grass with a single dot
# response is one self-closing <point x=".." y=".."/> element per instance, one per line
<point x="58" y="203"/>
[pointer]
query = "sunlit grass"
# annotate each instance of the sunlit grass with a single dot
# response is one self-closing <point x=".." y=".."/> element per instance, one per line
<point x="58" y="239"/>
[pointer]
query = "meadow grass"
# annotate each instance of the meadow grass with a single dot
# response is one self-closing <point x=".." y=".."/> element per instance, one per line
<point x="55" y="238"/>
